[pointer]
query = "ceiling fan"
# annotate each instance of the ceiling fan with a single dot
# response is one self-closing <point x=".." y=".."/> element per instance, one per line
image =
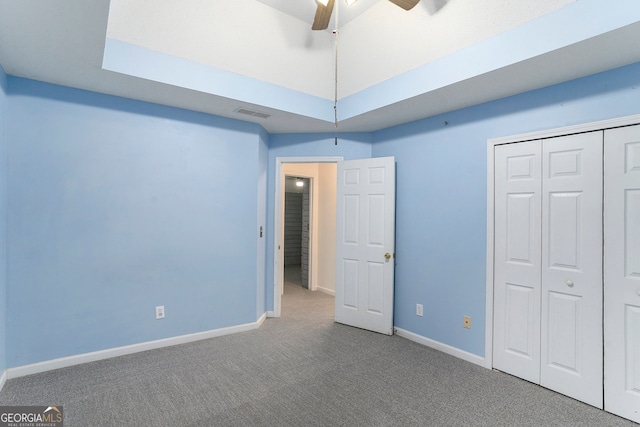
<point x="325" y="8"/>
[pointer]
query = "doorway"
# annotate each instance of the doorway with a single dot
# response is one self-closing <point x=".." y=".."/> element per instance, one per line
<point x="321" y="173"/>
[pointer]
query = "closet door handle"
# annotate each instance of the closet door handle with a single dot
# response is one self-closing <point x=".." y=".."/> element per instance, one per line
<point x="569" y="283"/>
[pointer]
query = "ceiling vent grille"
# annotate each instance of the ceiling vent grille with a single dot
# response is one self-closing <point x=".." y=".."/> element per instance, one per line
<point x="248" y="112"/>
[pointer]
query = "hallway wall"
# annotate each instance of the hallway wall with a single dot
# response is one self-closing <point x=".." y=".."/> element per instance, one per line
<point x="328" y="174"/>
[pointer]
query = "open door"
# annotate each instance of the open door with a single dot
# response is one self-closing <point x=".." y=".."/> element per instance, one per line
<point x="365" y="243"/>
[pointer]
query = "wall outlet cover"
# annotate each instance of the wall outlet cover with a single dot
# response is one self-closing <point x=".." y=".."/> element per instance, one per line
<point x="466" y="322"/>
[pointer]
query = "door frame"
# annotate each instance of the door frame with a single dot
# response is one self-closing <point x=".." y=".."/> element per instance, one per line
<point x="278" y="260"/>
<point x="491" y="143"/>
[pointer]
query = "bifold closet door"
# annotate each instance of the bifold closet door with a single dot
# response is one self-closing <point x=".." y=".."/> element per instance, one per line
<point x="517" y="246"/>
<point x="622" y="272"/>
<point x="571" y="328"/>
<point x="548" y="263"/>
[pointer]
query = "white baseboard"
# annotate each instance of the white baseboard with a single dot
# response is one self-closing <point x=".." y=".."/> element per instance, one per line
<point x="79" y="359"/>
<point x="327" y="291"/>
<point x="3" y="379"/>
<point x="453" y="351"/>
<point x="271" y="313"/>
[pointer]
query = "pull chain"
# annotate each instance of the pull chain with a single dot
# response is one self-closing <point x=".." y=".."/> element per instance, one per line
<point x="335" y="95"/>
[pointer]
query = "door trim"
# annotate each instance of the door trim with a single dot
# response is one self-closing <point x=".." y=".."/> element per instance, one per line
<point x="278" y="271"/>
<point x="491" y="143"/>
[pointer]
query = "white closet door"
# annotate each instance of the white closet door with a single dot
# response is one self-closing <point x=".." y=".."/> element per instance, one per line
<point x="622" y="272"/>
<point x="517" y="259"/>
<point x="571" y="328"/>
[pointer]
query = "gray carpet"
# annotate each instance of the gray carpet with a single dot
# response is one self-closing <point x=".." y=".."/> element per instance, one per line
<point x="299" y="370"/>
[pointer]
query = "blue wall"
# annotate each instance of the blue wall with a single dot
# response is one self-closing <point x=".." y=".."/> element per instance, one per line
<point x="441" y="195"/>
<point x="117" y="206"/>
<point x="3" y="218"/>
<point x="263" y="166"/>
<point x="350" y="146"/>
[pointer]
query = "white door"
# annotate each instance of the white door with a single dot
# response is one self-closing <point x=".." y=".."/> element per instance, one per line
<point x="365" y="222"/>
<point x="571" y="324"/>
<point x="622" y="272"/>
<point x="548" y="263"/>
<point x="516" y="341"/>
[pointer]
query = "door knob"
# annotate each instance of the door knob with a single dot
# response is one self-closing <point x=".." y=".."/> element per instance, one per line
<point x="387" y="256"/>
<point x="569" y="283"/>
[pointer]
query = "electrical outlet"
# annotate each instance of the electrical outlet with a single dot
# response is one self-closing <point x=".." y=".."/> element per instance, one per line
<point x="466" y="322"/>
<point x="160" y="312"/>
<point x="419" y="310"/>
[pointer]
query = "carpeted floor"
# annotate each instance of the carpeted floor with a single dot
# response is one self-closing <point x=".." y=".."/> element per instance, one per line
<point x="298" y="370"/>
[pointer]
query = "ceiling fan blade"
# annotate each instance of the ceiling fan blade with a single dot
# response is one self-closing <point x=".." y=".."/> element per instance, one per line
<point x="323" y="16"/>
<point x="405" y="4"/>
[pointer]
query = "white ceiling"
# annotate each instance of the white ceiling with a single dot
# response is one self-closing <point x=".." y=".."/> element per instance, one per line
<point x="63" y="41"/>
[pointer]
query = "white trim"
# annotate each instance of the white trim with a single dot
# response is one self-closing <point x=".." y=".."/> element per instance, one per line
<point x="488" y="338"/>
<point x="3" y="379"/>
<point x="79" y="359"/>
<point x="568" y="130"/>
<point x="491" y="143"/>
<point x="326" y="291"/>
<point x="271" y="313"/>
<point x="312" y="244"/>
<point x="453" y="351"/>
<point x="277" y="232"/>
<point x="259" y="322"/>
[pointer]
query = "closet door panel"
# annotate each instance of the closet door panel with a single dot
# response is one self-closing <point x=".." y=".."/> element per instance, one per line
<point x="517" y="260"/>
<point x="622" y="272"/>
<point x="571" y="328"/>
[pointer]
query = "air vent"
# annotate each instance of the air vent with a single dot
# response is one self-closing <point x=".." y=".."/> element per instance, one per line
<point x="257" y="114"/>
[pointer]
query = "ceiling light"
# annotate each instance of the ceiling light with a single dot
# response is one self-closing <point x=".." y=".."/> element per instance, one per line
<point x="299" y="183"/>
